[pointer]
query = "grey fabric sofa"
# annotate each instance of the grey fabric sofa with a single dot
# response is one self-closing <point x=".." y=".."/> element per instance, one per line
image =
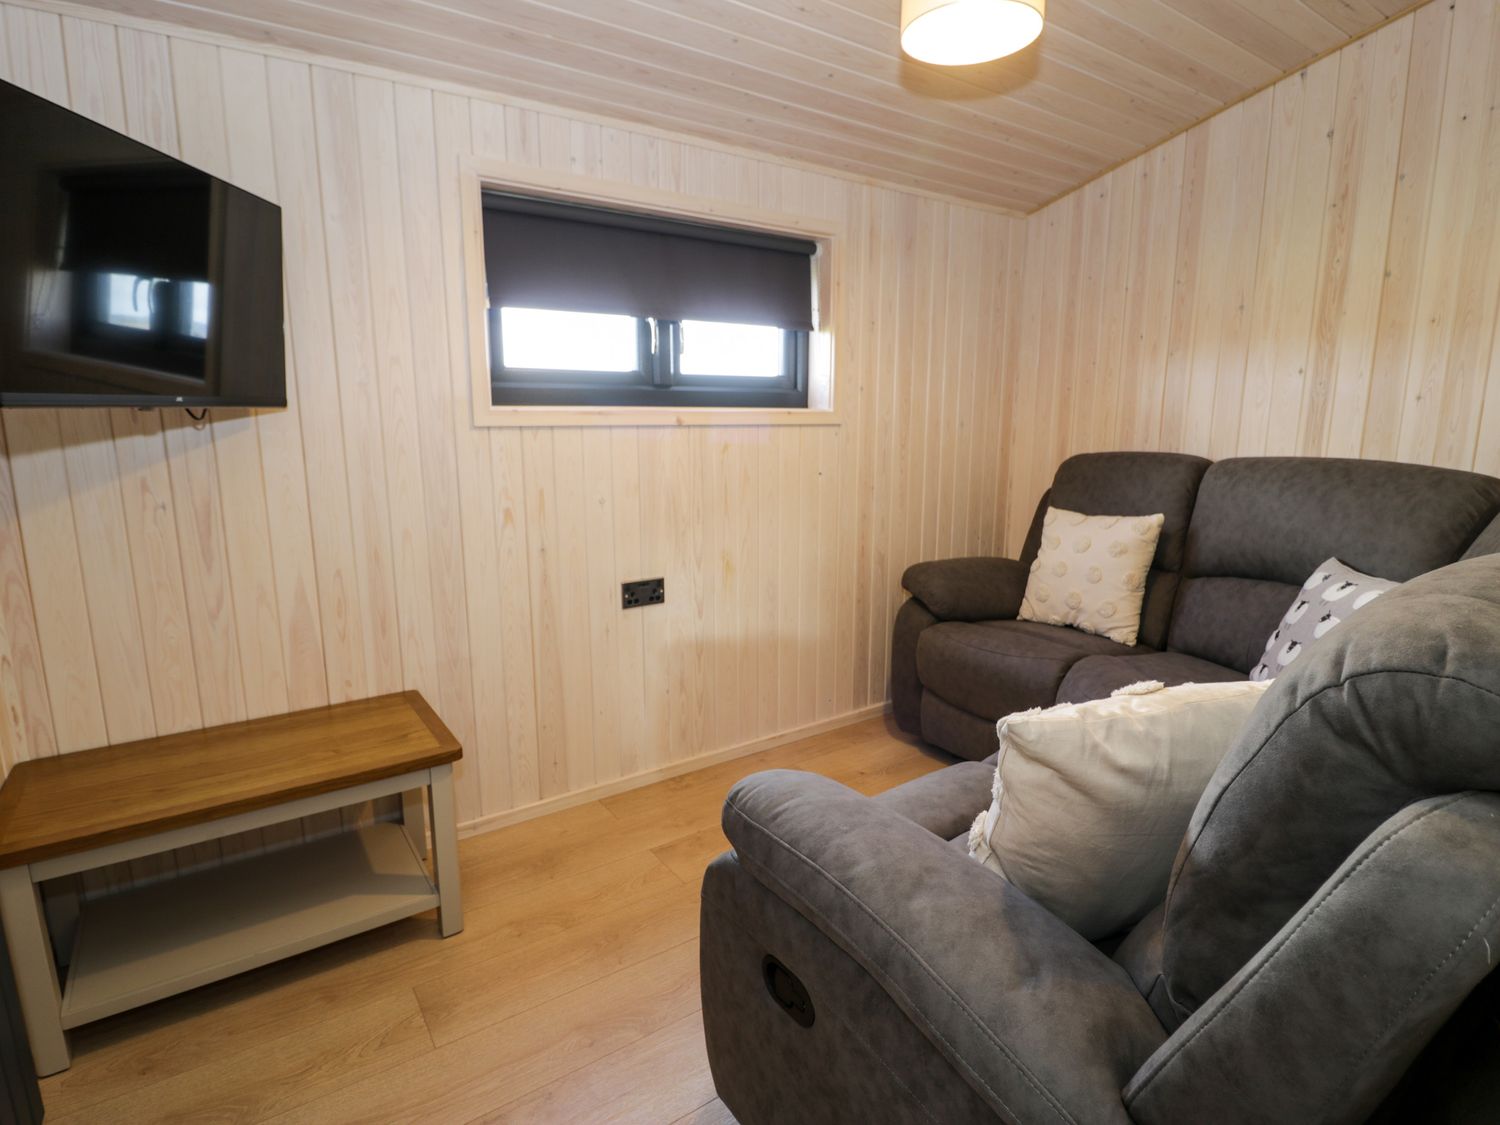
<point x="1240" y="536"/>
<point x="1323" y="953"/>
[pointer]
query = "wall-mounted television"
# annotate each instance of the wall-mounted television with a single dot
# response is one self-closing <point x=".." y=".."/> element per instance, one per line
<point x="128" y="278"/>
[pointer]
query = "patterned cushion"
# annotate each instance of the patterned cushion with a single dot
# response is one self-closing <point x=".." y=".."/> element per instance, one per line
<point x="1090" y="572"/>
<point x="1328" y="597"/>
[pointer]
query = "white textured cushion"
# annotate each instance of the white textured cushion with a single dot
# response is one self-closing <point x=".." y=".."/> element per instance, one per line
<point x="1332" y="593"/>
<point x="1090" y="572"/>
<point x="1092" y="799"/>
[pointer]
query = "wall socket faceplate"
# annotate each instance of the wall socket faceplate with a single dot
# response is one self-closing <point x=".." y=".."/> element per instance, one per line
<point x="647" y="591"/>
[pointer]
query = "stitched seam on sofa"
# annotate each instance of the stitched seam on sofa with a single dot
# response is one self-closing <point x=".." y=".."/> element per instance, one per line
<point x="958" y="1001"/>
<point x="1192" y="844"/>
<point x="1385" y="1032"/>
<point x="1022" y="656"/>
<point x="860" y="1039"/>
<point x="1223" y="1005"/>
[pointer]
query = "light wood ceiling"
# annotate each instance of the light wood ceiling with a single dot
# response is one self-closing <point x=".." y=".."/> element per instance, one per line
<point x="826" y="82"/>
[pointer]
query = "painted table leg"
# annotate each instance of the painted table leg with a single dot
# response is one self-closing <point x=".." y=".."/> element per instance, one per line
<point x="36" y="975"/>
<point x="414" y="820"/>
<point x="445" y="849"/>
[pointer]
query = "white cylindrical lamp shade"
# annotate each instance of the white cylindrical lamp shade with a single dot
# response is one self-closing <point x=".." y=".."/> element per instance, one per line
<point x="964" y="32"/>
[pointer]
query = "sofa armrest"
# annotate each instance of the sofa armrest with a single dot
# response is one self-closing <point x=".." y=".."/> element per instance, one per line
<point x="1041" y="1025"/>
<point x="978" y="589"/>
<point x="1487" y="542"/>
<point x="946" y="801"/>
<point x="1322" y="1022"/>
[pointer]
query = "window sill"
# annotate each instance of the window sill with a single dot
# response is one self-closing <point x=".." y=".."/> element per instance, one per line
<point x="625" y="416"/>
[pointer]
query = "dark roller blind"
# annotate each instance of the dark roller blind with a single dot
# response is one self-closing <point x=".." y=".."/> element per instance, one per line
<point x="540" y="254"/>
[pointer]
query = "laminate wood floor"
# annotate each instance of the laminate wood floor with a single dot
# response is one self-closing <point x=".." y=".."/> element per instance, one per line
<point x="571" y="995"/>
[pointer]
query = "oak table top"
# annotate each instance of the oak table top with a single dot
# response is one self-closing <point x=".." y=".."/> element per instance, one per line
<point x="75" y="802"/>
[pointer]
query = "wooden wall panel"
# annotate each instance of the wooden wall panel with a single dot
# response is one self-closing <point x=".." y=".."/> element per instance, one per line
<point x="1313" y="271"/>
<point x="27" y="717"/>
<point x="156" y="574"/>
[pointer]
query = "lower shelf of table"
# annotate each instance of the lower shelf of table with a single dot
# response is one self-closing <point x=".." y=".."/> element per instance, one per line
<point x="167" y="937"/>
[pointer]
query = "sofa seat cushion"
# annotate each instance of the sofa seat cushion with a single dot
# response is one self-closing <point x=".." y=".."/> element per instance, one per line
<point x="1095" y="677"/>
<point x="955" y="730"/>
<point x="991" y="668"/>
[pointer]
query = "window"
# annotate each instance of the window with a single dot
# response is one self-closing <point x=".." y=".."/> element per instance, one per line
<point x="589" y="306"/>
<point x="138" y="303"/>
<point x="552" y="340"/>
<point x="152" y="322"/>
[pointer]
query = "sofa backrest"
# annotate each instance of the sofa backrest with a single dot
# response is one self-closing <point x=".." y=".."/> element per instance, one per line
<point x="1131" y="484"/>
<point x="1262" y="525"/>
<point x="1399" y="704"/>
<point x="1488" y="542"/>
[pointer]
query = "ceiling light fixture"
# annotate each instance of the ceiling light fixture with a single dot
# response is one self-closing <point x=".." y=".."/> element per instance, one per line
<point x="964" y="32"/>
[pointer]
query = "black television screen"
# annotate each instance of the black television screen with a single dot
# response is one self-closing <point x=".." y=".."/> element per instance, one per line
<point x="128" y="278"/>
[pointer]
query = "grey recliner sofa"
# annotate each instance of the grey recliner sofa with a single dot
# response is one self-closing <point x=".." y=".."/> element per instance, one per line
<point x="1239" y="538"/>
<point x="1323" y="953"/>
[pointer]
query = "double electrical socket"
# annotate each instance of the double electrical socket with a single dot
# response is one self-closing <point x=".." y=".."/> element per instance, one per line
<point x="647" y="591"/>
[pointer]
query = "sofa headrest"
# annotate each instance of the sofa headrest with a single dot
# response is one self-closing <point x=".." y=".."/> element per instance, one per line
<point x="1400" y="703"/>
<point x="1128" y="484"/>
<point x="1278" y="518"/>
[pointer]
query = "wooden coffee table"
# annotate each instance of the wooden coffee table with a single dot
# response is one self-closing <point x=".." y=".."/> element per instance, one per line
<point x="63" y="815"/>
